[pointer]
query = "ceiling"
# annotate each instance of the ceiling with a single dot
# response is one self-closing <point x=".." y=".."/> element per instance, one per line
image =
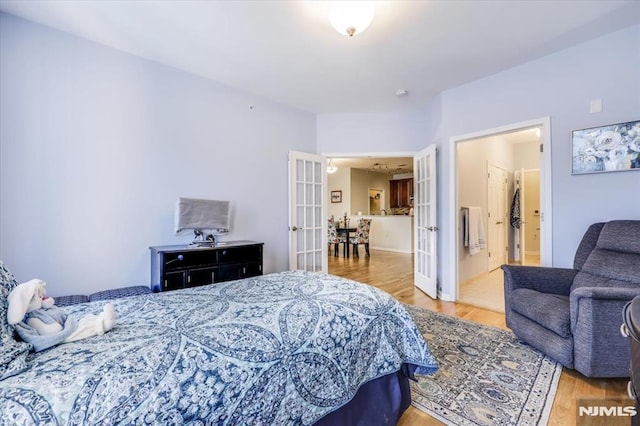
<point x="287" y="51"/>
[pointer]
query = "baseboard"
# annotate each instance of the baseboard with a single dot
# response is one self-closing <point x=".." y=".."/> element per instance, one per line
<point x="391" y="249"/>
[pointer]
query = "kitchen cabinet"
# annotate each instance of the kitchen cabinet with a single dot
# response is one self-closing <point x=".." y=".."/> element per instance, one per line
<point x="401" y="193"/>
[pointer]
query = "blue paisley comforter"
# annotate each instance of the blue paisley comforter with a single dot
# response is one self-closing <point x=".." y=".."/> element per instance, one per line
<point x="281" y="349"/>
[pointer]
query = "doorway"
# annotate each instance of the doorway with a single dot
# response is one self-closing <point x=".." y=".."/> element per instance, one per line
<point x="394" y="228"/>
<point x="365" y="186"/>
<point x="488" y="165"/>
<point x="376" y="201"/>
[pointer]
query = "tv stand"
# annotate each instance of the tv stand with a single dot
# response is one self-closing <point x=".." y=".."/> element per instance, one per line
<point x="183" y="266"/>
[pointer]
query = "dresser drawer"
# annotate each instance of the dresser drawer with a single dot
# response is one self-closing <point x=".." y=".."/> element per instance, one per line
<point x="240" y="254"/>
<point x="174" y="280"/>
<point x="189" y="259"/>
<point x="201" y="276"/>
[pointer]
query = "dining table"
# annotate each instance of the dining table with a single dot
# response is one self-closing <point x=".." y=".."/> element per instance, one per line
<point x="346" y="231"/>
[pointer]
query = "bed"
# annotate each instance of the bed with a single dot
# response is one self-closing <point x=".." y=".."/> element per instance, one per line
<point x="292" y="348"/>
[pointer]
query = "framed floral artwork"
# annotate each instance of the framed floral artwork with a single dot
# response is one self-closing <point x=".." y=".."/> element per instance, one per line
<point x="611" y="148"/>
<point x="336" y="196"/>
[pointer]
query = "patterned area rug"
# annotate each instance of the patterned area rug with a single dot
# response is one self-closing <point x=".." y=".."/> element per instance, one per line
<point x="486" y="375"/>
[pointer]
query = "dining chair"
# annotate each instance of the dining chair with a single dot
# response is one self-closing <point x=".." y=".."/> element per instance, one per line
<point x="361" y="237"/>
<point x="333" y="237"/>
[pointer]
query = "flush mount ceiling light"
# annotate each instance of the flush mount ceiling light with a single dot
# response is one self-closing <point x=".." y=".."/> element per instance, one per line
<point x="331" y="168"/>
<point x="351" y="17"/>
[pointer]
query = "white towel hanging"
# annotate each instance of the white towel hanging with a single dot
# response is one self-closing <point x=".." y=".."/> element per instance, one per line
<point x="475" y="232"/>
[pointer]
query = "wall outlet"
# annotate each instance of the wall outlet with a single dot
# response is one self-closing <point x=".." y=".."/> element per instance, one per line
<point x="596" y="105"/>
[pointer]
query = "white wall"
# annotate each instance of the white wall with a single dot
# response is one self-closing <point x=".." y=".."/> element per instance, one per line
<point x="374" y="132"/>
<point x="526" y="155"/>
<point x="96" y="146"/>
<point x="361" y="182"/>
<point x="390" y="233"/>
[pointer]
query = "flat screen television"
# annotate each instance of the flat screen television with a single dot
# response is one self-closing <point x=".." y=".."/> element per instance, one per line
<point x="202" y="216"/>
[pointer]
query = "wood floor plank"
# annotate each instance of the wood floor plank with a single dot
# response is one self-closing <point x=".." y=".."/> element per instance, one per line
<point x="393" y="273"/>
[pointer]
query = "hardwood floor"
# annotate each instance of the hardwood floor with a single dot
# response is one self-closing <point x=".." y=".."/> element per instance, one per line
<point x="393" y="273"/>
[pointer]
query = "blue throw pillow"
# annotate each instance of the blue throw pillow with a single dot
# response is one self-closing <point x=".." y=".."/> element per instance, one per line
<point x="13" y="354"/>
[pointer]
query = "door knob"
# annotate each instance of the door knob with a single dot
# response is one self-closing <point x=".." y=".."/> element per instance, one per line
<point x="432" y="228"/>
<point x="295" y="228"/>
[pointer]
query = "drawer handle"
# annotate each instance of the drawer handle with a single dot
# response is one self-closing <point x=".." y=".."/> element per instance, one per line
<point x="179" y="258"/>
<point x="624" y="330"/>
<point x="630" y="391"/>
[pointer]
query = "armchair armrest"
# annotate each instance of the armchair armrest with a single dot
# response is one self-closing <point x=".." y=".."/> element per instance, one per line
<point x="599" y="296"/>
<point x="606" y="293"/>
<point x="596" y="317"/>
<point x="543" y="279"/>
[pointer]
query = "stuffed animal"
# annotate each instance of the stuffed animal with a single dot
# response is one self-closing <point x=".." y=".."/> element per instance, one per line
<point x="39" y="322"/>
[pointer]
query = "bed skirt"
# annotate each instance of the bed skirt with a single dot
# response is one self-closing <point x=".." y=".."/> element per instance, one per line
<point x="378" y="402"/>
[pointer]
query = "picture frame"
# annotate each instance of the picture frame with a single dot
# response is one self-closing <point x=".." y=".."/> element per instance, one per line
<point x="610" y="148"/>
<point x="336" y="196"/>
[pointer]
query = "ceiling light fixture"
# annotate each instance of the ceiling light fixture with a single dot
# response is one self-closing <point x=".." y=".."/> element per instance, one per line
<point x="351" y="17"/>
<point x="379" y="168"/>
<point x="331" y="168"/>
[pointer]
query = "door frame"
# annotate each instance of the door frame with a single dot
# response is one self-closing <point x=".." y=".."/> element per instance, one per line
<point x="546" y="231"/>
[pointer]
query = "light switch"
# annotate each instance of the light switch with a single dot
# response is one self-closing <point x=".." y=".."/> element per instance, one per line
<point x="596" y="105"/>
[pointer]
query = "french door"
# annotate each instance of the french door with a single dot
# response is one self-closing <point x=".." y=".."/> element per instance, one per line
<point x="307" y="212"/>
<point x="425" y="230"/>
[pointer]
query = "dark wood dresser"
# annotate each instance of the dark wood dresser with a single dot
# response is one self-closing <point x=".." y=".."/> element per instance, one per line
<point x="182" y="266"/>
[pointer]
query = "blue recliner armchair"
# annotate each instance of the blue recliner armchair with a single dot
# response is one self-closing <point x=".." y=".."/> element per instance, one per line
<point x="574" y="315"/>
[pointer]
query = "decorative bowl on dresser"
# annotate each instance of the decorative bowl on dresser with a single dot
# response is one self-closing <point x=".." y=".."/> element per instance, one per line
<point x="181" y="266"/>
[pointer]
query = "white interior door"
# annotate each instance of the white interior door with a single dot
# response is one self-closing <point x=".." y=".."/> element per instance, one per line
<point x="496" y="217"/>
<point x="424" y="209"/>
<point x="307" y="212"/>
<point x="523" y="223"/>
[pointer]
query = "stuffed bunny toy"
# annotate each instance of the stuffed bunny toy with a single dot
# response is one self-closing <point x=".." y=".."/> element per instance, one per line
<point x="39" y="322"/>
